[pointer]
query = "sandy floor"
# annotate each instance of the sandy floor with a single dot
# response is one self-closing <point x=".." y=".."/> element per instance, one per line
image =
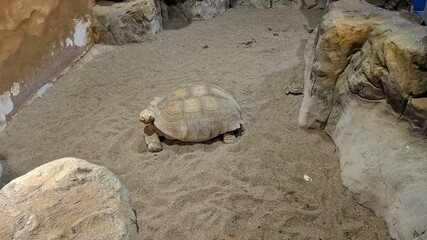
<point x="253" y="189"/>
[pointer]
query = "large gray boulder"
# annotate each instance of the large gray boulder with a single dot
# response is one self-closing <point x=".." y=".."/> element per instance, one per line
<point x="366" y="85"/>
<point x="127" y="22"/>
<point x="67" y="199"/>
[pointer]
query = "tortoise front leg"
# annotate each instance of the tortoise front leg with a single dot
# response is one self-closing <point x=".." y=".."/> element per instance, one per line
<point x="152" y="139"/>
<point x="229" y="137"/>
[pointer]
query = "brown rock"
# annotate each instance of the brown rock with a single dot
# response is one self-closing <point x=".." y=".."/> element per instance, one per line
<point x="399" y="62"/>
<point x="67" y="199"/>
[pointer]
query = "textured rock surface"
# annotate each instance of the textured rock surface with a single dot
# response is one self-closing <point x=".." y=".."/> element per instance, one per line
<point x="306" y="4"/>
<point x="381" y="59"/>
<point x="186" y="10"/>
<point x="66" y="199"/>
<point x="384" y="165"/>
<point x="127" y="22"/>
<point x="1" y="172"/>
<point x="259" y="3"/>
<point x="39" y="39"/>
<point x="392" y="4"/>
<point x="366" y="70"/>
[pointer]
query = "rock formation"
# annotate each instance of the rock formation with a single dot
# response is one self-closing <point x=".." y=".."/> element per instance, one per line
<point x="121" y="22"/>
<point x="392" y="4"/>
<point x="39" y="39"/>
<point x="306" y="4"/>
<point x="127" y="22"/>
<point x="259" y="3"/>
<point x="366" y="85"/>
<point x="381" y="59"/>
<point x="187" y="10"/>
<point x="1" y="172"/>
<point x="67" y="199"/>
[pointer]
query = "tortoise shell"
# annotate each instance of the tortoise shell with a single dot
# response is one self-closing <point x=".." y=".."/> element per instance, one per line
<point x="196" y="113"/>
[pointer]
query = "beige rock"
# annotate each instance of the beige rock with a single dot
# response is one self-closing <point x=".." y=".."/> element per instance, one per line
<point x="67" y="199"/>
<point x="365" y="69"/>
<point x="127" y="22"/>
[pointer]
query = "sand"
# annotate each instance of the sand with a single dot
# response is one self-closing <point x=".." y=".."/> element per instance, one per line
<point x="252" y="189"/>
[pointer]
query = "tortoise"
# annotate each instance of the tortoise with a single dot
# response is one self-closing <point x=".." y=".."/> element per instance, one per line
<point x="191" y="113"/>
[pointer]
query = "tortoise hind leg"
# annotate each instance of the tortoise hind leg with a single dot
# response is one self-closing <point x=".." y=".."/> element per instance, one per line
<point x="229" y="137"/>
<point x="152" y="139"/>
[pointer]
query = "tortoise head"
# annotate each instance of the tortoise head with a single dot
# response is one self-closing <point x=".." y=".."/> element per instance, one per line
<point x="146" y="116"/>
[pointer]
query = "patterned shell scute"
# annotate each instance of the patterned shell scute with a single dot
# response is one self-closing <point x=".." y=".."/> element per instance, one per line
<point x="197" y="112"/>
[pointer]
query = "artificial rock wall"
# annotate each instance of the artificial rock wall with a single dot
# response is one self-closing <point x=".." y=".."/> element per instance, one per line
<point x="189" y="10"/>
<point x="125" y="22"/>
<point x="120" y="22"/>
<point x="366" y="86"/>
<point x="39" y="39"/>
